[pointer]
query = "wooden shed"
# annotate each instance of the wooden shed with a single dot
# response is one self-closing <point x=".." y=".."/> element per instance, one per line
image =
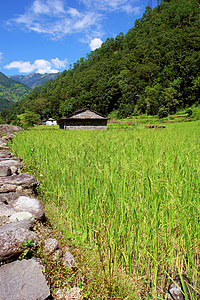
<point x="84" y="119"/>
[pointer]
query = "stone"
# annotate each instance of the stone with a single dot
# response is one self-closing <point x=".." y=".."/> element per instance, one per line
<point x="69" y="260"/>
<point x="6" y="210"/>
<point x="5" y="171"/>
<point x="5" y="188"/>
<point x="21" y="216"/>
<point x="14" y="170"/>
<point x="12" y="226"/>
<point x="6" y="128"/>
<point x="69" y="293"/>
<point x="23" y="280"/>
<point x="32" y="205"/>
<point x="50" y="245"/>
<point x="11" y="240"/>
<point x="5" y="154"/>
<point x="9" y="197"/>
<point x="10" y="163"/>
<point x="24" y="179"/>
<point x="176" y="286"/>
<point x="7" y="137"/>
<point x="2" y="147"/>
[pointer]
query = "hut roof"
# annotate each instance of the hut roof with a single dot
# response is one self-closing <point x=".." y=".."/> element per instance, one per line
<point x="50" y="119"/>
<point x="82" y="110"/>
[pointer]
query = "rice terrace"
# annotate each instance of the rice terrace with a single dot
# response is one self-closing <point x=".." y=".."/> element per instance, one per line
<point x="128" y="200"/>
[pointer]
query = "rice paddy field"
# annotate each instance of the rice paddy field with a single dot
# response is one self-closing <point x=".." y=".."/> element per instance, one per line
<point x="131" y="196"/>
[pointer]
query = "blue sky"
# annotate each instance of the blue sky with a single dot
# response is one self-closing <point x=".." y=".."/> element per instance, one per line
<point x="46" y="36"/>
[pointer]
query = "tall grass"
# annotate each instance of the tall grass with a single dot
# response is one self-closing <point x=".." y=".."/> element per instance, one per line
<point x="134" y="194"/>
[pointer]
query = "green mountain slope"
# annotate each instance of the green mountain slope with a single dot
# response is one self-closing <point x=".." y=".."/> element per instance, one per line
<point x="11" y="91"/>
<point x="154" y="68"/>
<point x="34" y="79"/>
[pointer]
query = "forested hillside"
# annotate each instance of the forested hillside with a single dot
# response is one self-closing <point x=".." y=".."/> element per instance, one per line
<point x="154" y="68"/>
<point x="34" y="79"/>
<point x="11" y="91"/>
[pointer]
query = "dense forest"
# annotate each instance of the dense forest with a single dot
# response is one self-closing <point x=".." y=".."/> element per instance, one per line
<point x="11" y="91"/>
<point x="153" y="69"/>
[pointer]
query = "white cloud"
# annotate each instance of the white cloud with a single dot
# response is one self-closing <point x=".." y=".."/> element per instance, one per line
<point x="112" y="5"/>
<point x="95" y="43"/>
<point x="50" y="17"/>
<point x="38" y="66"/>
<point x="59" y="63"/>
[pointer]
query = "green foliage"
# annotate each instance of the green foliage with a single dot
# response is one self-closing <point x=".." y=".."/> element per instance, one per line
<point x="156" y="64"/>
<point x="30" y="118"/>
<point x="11" y="91"/>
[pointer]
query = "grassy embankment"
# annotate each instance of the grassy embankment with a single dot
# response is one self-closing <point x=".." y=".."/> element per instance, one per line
<point x="128" y="199"/>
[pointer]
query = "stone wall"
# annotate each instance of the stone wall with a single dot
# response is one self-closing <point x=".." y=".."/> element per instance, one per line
<point x="85" y="127"/>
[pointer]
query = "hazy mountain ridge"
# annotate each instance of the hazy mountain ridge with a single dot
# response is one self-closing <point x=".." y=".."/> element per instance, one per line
<point x="34" y="79"/>
<point x="11" y="91"/>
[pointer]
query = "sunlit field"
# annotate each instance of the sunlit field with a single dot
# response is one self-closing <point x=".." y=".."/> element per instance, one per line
<point x="132" y="195"/>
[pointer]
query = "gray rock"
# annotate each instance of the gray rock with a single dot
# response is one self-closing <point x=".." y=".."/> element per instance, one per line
<point x="6" y="210"/>
<point x="7" y="128"/>
<point x="5" y="154"/>
<point x="69" y="260"/>
<point x="15" y="170"/>
<point x="50" y="245"/>
<point x="24" y="179"/>
<point x="23" y="280"/>
<point x="176" y="287"/>
<point x="32" y="205"/>
<point x="10" y="163"/>
<point x="3" y="220"/>
<point x="5" y="188"/>
<point x="2" y="147"/>
<point x="11" y="239"/>
<point x="12" y="226"/>
<point x="21" y="216"/>
<point x="7" y="137"/>
<point x="5" y="171"/>
<point x="9" y="197"/>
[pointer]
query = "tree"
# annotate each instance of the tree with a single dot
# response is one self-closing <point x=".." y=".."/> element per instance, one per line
<point x="30" y="118"/>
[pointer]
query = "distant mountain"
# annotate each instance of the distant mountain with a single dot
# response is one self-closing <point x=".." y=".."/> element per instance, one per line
<point x="34" y="79"/>
<point x="11" y="91"/>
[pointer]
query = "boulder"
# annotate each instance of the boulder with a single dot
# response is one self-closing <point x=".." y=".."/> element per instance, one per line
<point x="10" y="163"/>
<point x="50" y="245"/>
<point x="6" y="210"/>
<point x="5" y="171"/>
<point x="12" y="226"/>
<point x="21" y="216"/>
<point x="24" y="180"/>
<point x="23" y="280"/>
<point x="11" y="240"/>
<point x="6" y="128"/>
<point x="32" y="205"/>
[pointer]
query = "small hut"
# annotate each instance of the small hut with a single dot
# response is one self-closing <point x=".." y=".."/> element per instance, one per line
<point x="51" y="121"/>
<point x="84" y="119"/>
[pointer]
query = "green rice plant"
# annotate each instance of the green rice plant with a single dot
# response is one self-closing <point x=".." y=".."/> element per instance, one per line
<point x="131" y="195"/>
